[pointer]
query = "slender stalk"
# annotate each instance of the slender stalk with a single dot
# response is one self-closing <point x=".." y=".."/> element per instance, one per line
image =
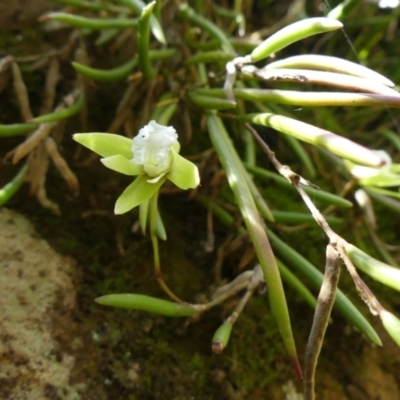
<point x="326" y="298"/>
<point x="154" y="241"/>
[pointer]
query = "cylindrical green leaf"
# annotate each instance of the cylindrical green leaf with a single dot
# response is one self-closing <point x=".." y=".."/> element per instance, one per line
<point x="235" y="173"/>
<point x="391" y="324"/>
<point x="121" y="72"/>
<point x="63" y="113"/>
<point x="221" y="337"/>
<point x="137" y="6"/>
<point x="312" y="77"/>
<point x="327" y="140"/>
<point x="16" y="129"/>
<point x="211" y="103"/>
<point x="293" y="33"/>
<point x="289" y="217"/>
<point x="261" y="204"/>
<point x="210" y="56"/>
<point x="88" y="5"/>
<point x="301" y="153"/>
<point x="376" y="269"/>
<point x="91" y="23"/>
<point x="343" y="8"/>
<point x="328" y="63"/>
<point x="291" y="279"/>
<point x="146" y="303"/>
<point x="306" y="99"/>
<point x="206" y="25"/>
<point x="8" y="191"/>
<point x="106" y="75"/>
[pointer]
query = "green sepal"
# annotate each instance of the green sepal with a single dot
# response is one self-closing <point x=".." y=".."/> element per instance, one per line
<point x="136" y="193"/>
<point x="183" y="173"/>
<point x="106" y="144"/>
<point x="122" y="165"/>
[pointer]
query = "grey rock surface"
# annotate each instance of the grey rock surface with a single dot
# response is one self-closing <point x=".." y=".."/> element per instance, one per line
<point x="36" y="297"/>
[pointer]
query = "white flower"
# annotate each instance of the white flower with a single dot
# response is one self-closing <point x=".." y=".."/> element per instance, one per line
<point x="153" y="156"/>
<point x="152" y="148"/>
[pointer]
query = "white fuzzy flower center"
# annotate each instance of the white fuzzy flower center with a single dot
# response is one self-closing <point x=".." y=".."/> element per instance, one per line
<point x="152" y="148"/>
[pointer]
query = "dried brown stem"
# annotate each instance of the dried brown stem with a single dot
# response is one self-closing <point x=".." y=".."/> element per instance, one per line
<point x="32" y="141"/>
<point x="22" y="93"/>
<point x="50" y="87"/>
<point x="322" y="314"/>
<point x="62" y="165"/>
<point x="333" y="79"/>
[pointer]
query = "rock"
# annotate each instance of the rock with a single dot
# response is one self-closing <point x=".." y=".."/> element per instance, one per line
<point x="37" y="297"/>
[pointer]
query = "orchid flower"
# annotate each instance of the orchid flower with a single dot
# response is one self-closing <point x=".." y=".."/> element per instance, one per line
<point x="152" y="155"/>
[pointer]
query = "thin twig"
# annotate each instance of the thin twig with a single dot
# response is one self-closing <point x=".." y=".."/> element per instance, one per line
<point x="61" y="164"/>
<point x="22" y="93"/>
<point x="334" y="79"/>
<point x="323" y="310"/>
<point x="53" y="75"/>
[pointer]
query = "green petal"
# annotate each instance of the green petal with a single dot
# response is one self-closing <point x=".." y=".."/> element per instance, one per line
<point x="122" y="165"/>
<point x="136" y="193"/>
<point x="184" y="173"/>
<point x="106" y="144"/>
